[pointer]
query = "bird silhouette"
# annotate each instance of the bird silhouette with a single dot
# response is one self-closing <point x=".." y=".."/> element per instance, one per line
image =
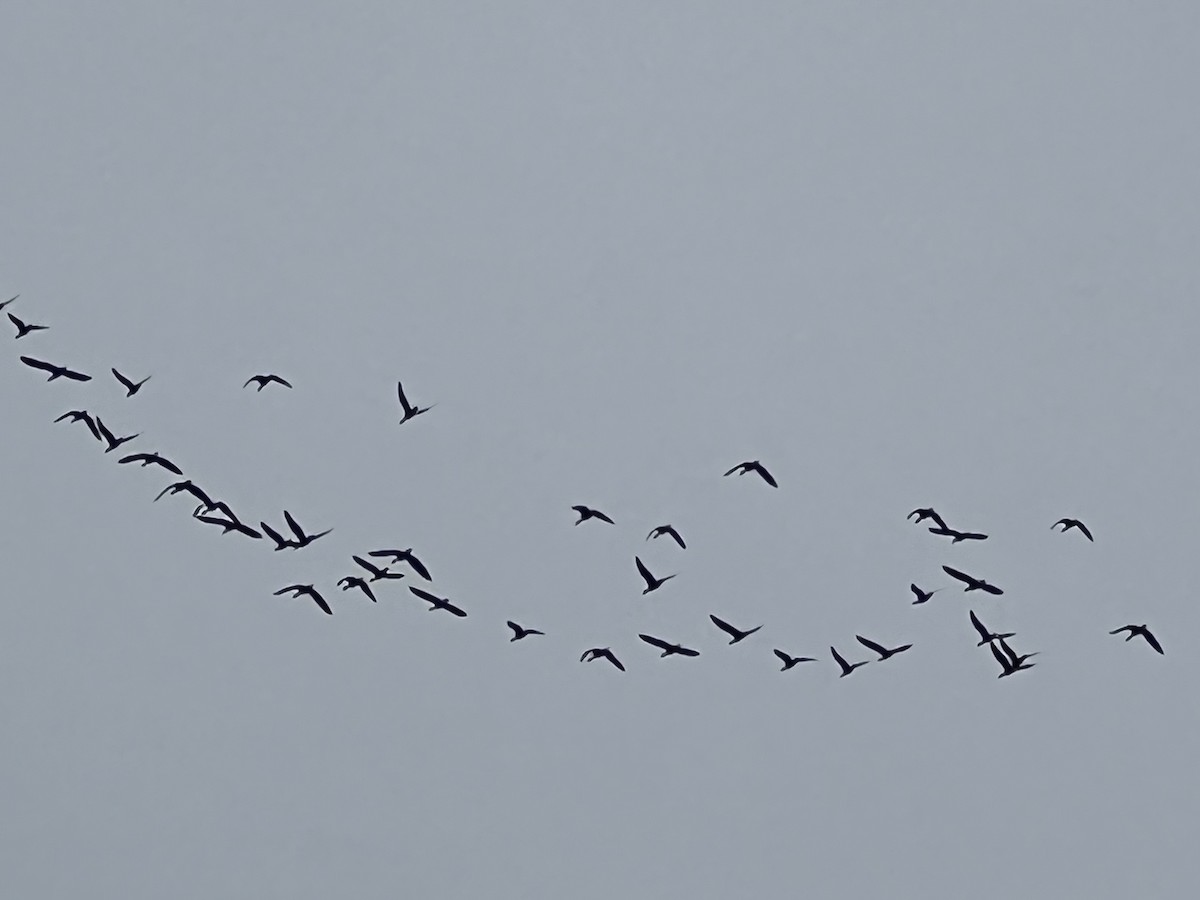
<point x="601" y="653"/>
<point x="884" y="652"/>
<point x="438" y="602"/>
<point x="1068" y="524"/>
<point x="734" y="633"/>
<point x="972" y="583"/>
<point x="353" y="581"/>
<point x="189" y="487"/>
<point x="927" y="513"/>
<point x="55" y="371"/>
<point x="586" y="512"/>
<point x="263" y="380"/>
<point x="985" y="636"/>
<point x="300" y="590"/>
<point x="754" y="465"/>
<point x="652" y="583"/>
<point x="131" y="387"/>
<point x="232" y="523"/>
<point x="377" y="574"/>
<point x="81" y="415"/>
<point x="957" y="536"/>
<point x="668" y="649"/>
<point x="147" y="459"/>
<point x="520" y="632"/>
<point x="1010" y="663"/>
<point x="8" y="301"/>
<point x="281" y="543"/>
<point x="1139" y="631"/>
<point x="404" y="556"/>
<point x="660" y="530"/>
<point x="410" y="411"/>
<point x="922" y="596"/>
<point x="790" y="661"/>
<point x="847" y="668"/>
<point x="302" y="539"/>
<point x="113" y="441"/>
<point x="24" y="329"/>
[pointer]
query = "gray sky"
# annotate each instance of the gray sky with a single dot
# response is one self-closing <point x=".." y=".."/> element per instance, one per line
<point x="939" y="255"/>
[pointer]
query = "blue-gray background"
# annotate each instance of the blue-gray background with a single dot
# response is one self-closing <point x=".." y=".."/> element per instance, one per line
<point x="905" y="254"/>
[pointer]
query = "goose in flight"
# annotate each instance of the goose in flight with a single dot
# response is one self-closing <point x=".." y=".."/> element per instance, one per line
<point x="734" y="633"/>
<point x="754" y="465"/>
<point x="438" y="602"/>
<point x="281" y="543"/>
<point x="956" y="536"/>
<point x="187" y="486"/>
<point x="972" y="583"/>
<point x="24" y="329"/>
<point x="147" y="459"/>
<point x="985" y="636"/>
<point x="601" y="653"/>
<point x="301" y="590"/>
<point x="263" y="380"/>
<point x="652" y="583"/>
<point x="232" y="523"/>
<point x="586" y="512"/>
<point x="131" y="387"/>
<point x="410" y="411"/>
<point x="847" y="668"/>
<point x="1068" y="524"/>
<point x="55" y="370"/>
<point x="354" y="581"/>
<point x="1010" y="663"/>
<point x="110" y="439"/>
<point x="1139" y="631"/>
<point x="521" y="632"/>
<point x="81" y="415"/>
<point x="404" y="556"/>
<point x="302" y="539"/>
<point x="660" y="530"/>
<point x="922" y="596"/>
<point x="927" y="513"/>
<point x="789" y="661"/>
<point x="884" y="652"/>
<point x="668" y="649"/>
<point x="377" y="573"/>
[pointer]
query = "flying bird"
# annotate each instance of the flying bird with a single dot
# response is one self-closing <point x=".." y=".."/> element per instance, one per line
<point x="985" y="636"/>
<point x="188" y="486"/>
<point x="754" y="465"/>
<point x="54" y="370"/>
<point x="1068" y="524"/>
<point x="131" y="387"/>
<point x="22" y="328"/>
<point x="520" y="632"/>
<point x="922" y="596"/>
<point x="232" y="523"/>
<point x="438" y="602"/>
<point x="660" y="530"/>
<point x="601" y="653"/>
<point x="404" y="556"/>
<point x="734" y="633"/>
<point x="302" y="539"/>
<point x="667" y="648"/>
<point x="410" y="411"/>
<point x="1009" y="661"/>
<point x="652" y="583"/>
<point x="883" y="651"/>
<point x="81" y="415"/>
<point x="972" y="583"/>
<point x="147" y="459"/>
<point x="1142" y="631"/>
<point x="113" y="441"/>
<point x="8" y="301"/>
<point x="847" y="668"/>
<point x="586" y="512"/>
<point x="927" y="513"/>
<point x="353" y="581"/>
<point x="301" y="590"/>
<point x="957" y="536"/>
<point x="377" y="574"/>
<point x="263" y="380"/>
<point x="281" y="543"/>
<point x="789" y="661"/>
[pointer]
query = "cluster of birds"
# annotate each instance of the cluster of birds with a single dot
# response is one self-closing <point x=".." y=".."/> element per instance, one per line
<point x="219" y="514"/>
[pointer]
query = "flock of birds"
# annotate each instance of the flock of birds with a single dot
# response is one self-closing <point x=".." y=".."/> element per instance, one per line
<point x="219" y="514"/>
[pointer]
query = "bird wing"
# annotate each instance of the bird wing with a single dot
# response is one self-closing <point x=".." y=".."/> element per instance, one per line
<point x="425" y="595"/>
<point x="294" y="525"/>
<point x="961" y="576"/>
<point x="121" y="378"/>
<point x="675" y="534"/>
<point x="418" y="566"/>
<point x="782" y="656"/>
<point x="20" y="325"/>
<point x="133" y="457"/>
<point x="991" y="588"/>
<point x="516" y="629"/>
<point x="944" y="531"/>
<point x="971" y="536"/>
<point x="290" y="587"/>
<point x="245" y="529"/>
<point x="104" y="432"/>
<point x="167" y="464"/>
<point x="1152" y="640"/>
<point x="656" y="642"/>
<point x="1065" y="523"/>
<point x="641" y="567"/>
<point x="373" y="569"/>
<point x="916" y="591"/>
<point x="1122" y="628"/>
<point x="320" y="601"/>
<point x="687" y="651"/>
<point x="841" y="662"/>
<point x="602" y="517"/>
<point x="249" y="381"/>
<point x="983" y="632"/>
<point x="451" y="608"/>
<point x="941" y="522"/>
<point x="735" y="468"/>
<point x="613" y="659"/>
<point x="37" y="363"/>
<point x="407" y="407"/>
<point x="1085" y="531"/>
<point x="1000" y="657"/>
<point x="725" y="626"/>
<point x="871" y="645"/>
<point x="766" y="476"/>
<point x="394" y="554"/>
<point x="75" y="376"/>
<point x="1012" y="654"/>
<point x="273" y="534"/>
<point x="282" y="381"/>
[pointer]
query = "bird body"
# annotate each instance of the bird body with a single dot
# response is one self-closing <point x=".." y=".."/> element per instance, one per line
<point x="147" y="459"/>
<point x="438" y="602"/>
<point x="263" y="380"/>
<point x="410" y="411"/>
<point x="846" y="667"/>
<point x="884" y="652"/>
<point x="131" y="387"/>
<point x="586" y="512"/>
<point x="922" y="596"/>
<point x="23" y="328"/>
<point x="652" y="583"/>
<point x="735" y="634"/>
<point x="986" y="636"/>
<point x="520" y="632"/>
<point x="1068" y="524"/>
<point x="1139" y="631"/>
<point x="790" y="661"/>
<point x="972" y="583"/>
<point x="668" y="649"/>
<point x="110" y="439"/>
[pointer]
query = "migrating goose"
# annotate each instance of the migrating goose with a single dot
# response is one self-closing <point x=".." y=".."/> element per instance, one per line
<point x="754" y="465"/>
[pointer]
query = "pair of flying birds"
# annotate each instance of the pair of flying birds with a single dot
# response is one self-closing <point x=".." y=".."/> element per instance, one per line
<point x="941" y="528"/>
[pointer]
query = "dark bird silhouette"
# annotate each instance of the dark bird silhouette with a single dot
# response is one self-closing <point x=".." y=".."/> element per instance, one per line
<point x="956" y="536"/>
<point x="847" y="668"/>
<point x="24" y="329"/>
<point x="232" y="523"/>
<point x="520" y="632"/>
<point x="601" y="653"/>
<point x="586" y="512"/>
<point x="1068" y="524"/>
<point x="438" y="602"/>
<point x="263" y="380"/>
<point x="147" y="459"/>
<point x="189" y="487"/>
<point x="1012" y="654"/>
<point x="985" y="636"/>
<point x="113" y="441"/>
<point x="302" y="539"/>
<point x="54" y="370"/>
<point x="8" y="301"/>
<point x="883" y="651"/>
<point x="667" y="648"/>
<point x="927" y="513"/>
<point x="652" y="583"/>
<point x="1142" y="631"/>
<point x="404" y="556"/>
<point x="734" y="633"/>
<point x="667" y="529"/>
<point x="1009" y="661"/>
<point x="922" y="596"/>
<point x="131" y="387"/>
<point x="377" y="574"/>
<point x="972" y="583"/>
<point x="353" y="581"/>
<point x="789" y="661"/>
<point x="281" y="543"/>
<point x="301" y="590"/>
<point x="81" y="415"/>
<point x="410" y="411"/>
<point x="754" y="465"/>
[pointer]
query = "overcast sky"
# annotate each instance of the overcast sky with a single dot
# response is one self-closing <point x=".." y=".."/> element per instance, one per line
<point x="905" y="254"/>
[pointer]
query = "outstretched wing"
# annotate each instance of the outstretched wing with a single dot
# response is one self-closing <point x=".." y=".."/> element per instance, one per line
<point x="783" y="657"/>
<point x="725" y="626"/>
<point x="766" y="476"/>
<point x="1152" y="640"/>
<point x="608" y="654"/>
<point x="675" y="534"/>
<point x="984" y="634"/>
<point x="961" y="576"/>
<point x="871" y="645"/>
<point x="282" y="381"/>
<point x="404" y="404"/>
<point x="641" y="567"/>
<point x="1085" y="531"/>
<point x="991" y="589"/>
<point x="418" y="566"/>
<point x="294" y="525"/>
<point x="121" y="378"/>
<point x="38" y="364"/>
<point x="168" y="465"/>
<point x="1000" y="657"/>
<point x="425" y="595"/>
<point x="656" y="642"/>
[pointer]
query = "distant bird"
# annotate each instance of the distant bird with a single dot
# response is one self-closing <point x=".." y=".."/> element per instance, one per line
<point x="586" y="512"/>
<point x="734" y="633"/>
<point x="54" y="370"/>
<point x="601" y="653"/>
<point x="300" y="590"/>
<point x="652" y="583"/>
<point x="147" y="459"/>
<point x="660" y="530"/>
<point x="302" y="539"/>
<point x="927" y="513"/>
<point x="922" y="596"/>
<point x="1068" y="524"/>
<point x="112" y="441"/>
<point x="22" y="328"/>
<point x="8" y="301"/>
<point x="410" y="411"/>
<point x="1012" y="654"/>
<point x="232" y="523"/>
<point x="957" y="536"/>
<point x="1009" y="662"/>
<point x="789" y="661"/>
<point x="81" y="415"/>
<point x="187" y="486"/>
<point x="972" y="583"/>
<point x="520" y="632"/>
<point x="377" y="574"/>
<point x="131" y="387"/>
<point x="353" y="581"/>
<point x="847" y="668"/>
<point x="985" y="636"/>
<point x="263" y="380"/>
<point x="438" y="602"/>
<point x="281" y="543"/>
<point x="404" y="556"/>
<point x="1143" y="631"/>
<point x="883" y="651"/>
<point x="754" y="465"/>
<point x="668" y="649"/>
